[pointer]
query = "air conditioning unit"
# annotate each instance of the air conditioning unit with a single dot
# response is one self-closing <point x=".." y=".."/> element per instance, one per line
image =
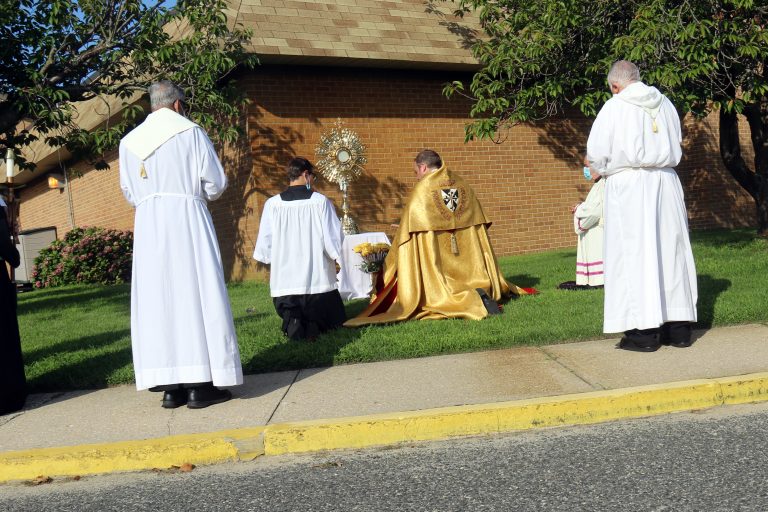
<point x="30" y="243"/>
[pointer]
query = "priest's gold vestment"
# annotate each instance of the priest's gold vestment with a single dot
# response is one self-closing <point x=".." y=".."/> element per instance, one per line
<point x="440" y="255"/>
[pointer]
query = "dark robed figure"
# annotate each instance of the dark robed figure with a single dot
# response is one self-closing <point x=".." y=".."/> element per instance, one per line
<point x="13" y="387"/>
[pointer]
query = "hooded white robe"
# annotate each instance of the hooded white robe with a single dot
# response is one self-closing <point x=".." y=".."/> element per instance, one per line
<point x="650" y="275"/>
<point x="181" y="323"/>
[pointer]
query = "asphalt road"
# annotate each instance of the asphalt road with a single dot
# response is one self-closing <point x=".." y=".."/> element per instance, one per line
<point x="712" y="460"/>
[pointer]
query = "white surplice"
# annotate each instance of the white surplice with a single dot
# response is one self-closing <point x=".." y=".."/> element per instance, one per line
<point x="300" y="239"/>
<point x="588" y="224"/>
<point x="650" y="275"/>
<point x="181" y="322"/>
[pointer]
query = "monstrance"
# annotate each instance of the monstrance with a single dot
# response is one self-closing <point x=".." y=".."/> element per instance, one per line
<point x="340" y="159"/>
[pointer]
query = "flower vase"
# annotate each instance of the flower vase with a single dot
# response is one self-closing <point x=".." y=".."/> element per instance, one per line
<point x="374" y="282"/>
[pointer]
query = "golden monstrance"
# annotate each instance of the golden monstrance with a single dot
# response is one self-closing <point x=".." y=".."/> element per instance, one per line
<point x="340" y="157"/>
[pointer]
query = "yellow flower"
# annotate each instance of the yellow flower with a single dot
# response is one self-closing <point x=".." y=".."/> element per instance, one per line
<point x="361" y="247"/>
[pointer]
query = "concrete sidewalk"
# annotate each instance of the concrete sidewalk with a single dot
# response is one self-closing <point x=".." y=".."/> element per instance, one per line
<point x="379" y="396"/>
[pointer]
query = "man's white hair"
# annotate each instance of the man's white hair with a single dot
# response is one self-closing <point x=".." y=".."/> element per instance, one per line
<point x="164" y="94"/>
<point x="623" y="73"/>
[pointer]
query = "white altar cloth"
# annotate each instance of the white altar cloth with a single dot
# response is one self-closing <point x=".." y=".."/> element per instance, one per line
<point x="353" y="282"/>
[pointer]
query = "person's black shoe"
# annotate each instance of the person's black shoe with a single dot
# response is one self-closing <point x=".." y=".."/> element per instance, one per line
<point x="640" y="340"/>
<point x="676" y="334"/>
<point x="490" y="305"/>
<point x="295" y="329"/>
<point x="164" y="387"/>
<point x="571" y="285"/>
<point x="203" y="396"/>
<point x="174" y="398"/>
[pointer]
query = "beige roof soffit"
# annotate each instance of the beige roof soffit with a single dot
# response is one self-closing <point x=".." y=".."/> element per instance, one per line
<point x="410" y="37"/>
<point x="90" y="114"/>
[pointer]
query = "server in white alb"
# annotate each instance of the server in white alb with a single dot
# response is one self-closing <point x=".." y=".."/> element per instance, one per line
<point x="300" y="239"/>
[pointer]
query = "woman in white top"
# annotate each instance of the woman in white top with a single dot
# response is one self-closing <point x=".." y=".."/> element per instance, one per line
<point x="300" y="238"/>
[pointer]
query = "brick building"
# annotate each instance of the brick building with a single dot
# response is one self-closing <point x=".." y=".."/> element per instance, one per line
<point x="379" y="67"/>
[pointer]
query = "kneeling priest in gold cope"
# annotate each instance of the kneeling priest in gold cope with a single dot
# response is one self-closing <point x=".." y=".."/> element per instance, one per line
<point x="441" y="264"/>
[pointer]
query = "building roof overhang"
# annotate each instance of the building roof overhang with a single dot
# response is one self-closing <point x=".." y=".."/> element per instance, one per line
<point x="388" y="34"/>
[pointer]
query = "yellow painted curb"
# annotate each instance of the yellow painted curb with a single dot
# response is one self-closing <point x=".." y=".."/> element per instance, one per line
<point x="241" y="444"/>
<point x="384" y="429"/>
<point x="744" y="389"/>
<point x="433" y="424"/>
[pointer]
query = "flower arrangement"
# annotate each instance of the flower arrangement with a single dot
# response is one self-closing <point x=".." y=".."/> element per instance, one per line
<point x="373" y="256"/>
<point x="85" y="255"/>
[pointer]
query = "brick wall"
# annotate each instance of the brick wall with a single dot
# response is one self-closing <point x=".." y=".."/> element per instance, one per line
<point x="93" y="198"/>
<point x="526" y="183"/>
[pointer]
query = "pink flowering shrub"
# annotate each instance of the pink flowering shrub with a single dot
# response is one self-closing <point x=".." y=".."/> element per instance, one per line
<point x="85" y="255"/>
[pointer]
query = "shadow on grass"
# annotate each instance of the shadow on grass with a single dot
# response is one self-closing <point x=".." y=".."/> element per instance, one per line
<point x="709" y="289"/>
<point x="284" y="355"/>
<point x="89" y="373"/>
<point x="52" y="299"/>
<point x="523" y="280"/>
<point x="733" y="238"/>
<point x="74" y="345"/>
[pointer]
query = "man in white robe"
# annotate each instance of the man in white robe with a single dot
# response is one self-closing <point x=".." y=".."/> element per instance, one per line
<point x="650" y="276"/>
<point x="182" y="331"/>
<point x="300" y="238"/>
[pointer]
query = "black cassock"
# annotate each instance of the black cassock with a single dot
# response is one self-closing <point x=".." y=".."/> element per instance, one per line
<point x="13" y="385"/>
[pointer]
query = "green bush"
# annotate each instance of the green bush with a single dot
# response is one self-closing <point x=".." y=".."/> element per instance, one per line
<point x="85" y="255"/>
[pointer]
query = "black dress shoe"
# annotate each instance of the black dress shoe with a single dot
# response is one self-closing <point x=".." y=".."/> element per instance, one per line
<point x="633" y="346"/>
<point x="571" y="285"/>
<point x="174" y="398"/>
<point x="676" y="334"/>
<point x="640" y="340"/>
<point x="203" y="396"/>
<point x="491" y="306"/>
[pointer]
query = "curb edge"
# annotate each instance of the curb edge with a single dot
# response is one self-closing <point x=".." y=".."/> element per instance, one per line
<point x="384" y="429"/>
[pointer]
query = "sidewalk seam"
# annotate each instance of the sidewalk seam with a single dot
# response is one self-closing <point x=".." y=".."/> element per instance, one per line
<point x="554" y="358"/>
<point x="279" y="402"/>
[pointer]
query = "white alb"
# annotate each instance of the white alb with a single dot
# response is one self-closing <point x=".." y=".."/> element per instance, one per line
<point x="650" y="275"/>
<point x="181" y="323"/>
<point x="300" y="239"/>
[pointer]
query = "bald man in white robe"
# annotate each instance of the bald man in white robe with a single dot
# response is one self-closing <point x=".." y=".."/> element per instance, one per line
<point x="182" y="332"/>
<point x="650" y="275"/>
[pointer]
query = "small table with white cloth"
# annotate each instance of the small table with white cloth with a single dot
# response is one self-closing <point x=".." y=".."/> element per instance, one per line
<point x="353" y="282"/>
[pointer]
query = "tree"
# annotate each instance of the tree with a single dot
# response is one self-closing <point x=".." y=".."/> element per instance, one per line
<point x="542" y="57"/>
<point x="56" y="54"/>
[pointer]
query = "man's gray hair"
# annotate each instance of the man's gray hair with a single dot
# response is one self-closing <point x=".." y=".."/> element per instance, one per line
<point x="623" y="73"/>
<point x="164" y="94"/>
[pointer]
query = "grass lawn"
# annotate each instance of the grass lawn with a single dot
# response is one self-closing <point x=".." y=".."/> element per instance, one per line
<point x="79" y="337"/>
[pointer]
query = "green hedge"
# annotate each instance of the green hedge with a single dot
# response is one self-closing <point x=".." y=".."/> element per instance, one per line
<point x="85" y="255"/>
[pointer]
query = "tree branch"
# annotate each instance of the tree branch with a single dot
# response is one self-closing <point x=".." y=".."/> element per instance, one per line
<point x="730" y="151"/>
